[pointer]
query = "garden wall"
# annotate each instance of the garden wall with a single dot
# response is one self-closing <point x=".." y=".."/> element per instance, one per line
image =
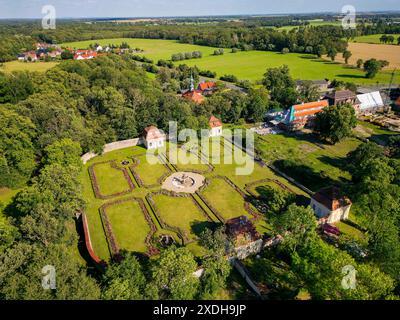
<point x="113" y="146"/>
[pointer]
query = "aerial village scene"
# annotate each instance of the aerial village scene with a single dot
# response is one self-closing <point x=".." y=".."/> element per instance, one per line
<point x="281" y="179"/>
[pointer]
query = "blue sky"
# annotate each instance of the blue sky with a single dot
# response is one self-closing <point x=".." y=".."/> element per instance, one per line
<point x="146" y="8"/>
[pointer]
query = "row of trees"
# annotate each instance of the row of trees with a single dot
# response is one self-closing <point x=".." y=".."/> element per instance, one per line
<point x="187" y="56"/>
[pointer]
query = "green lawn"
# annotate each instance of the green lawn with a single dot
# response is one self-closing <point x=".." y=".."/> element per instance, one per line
<point x="109" y="179"/>
<point x="374" y="132"/>
<point x="316" y="165"/>
<point x="374" y="38"/>
<point x="185" y="160"/>
<point x="181" y="213"/>
<point x="225" y="199"/>
<point x="129" y="226"/>
<point x="39" y="66"/>
<point x="250" y="65"/>
<point x="150" y="169"/>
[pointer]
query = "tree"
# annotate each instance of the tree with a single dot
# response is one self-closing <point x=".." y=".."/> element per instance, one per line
<point x="308" y="91"/>
<point x="332" y="52"/>
<point x="320" y="50"/>
<point x="172" y="274"/>
<point x="383" y="38"/>
<point x="277" y="200"/>
<point x="335" y="123"/>
<point x="297" y="225"/>
<point x="64" y="152"/>
<point x="17" y="153"/>
<point x="257" y="104"/>
<point x="346" y="56"/>
<point x="372" y="67"/>
<point x="285" y="50"/>
<point x="394" y="146"/>
<point x="360" y="63"/>
<point x="280" y="85"/>
<point x="124" y="280"/>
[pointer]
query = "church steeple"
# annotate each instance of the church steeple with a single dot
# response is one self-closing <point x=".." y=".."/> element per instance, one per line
<point x="191" y="82"/>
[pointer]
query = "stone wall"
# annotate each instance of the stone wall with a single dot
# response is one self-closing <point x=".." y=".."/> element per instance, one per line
<point x="111" y="147"/>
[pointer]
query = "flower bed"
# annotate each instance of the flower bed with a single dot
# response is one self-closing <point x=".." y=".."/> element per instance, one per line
<point x="95" y="184"/>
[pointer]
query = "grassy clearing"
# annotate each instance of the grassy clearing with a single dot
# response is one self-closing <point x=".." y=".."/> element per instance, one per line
<point x="39" y="66"/>
<point x="129" y="226"/>
<point x="316" y="166"/>
<point x="373" y="132"/>
<point x="250" y="65"/>
<point x="181" y="213"/>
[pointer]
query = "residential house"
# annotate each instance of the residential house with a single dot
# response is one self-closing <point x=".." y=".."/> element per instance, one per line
<point x="207" y="87"/>
<point x="153" y="137"/>
<point x="29" y="56"/>
<point x="245" y="238"/>
<point x="85" y="54"/>
<point x="215" y="127"/>
<point x="370" y="103"/>
<point x="300" y="115"/>
<point x="330" y="205"/>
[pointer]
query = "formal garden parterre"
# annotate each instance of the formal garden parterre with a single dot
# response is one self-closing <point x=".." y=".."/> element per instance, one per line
<point x="127" y="209"/>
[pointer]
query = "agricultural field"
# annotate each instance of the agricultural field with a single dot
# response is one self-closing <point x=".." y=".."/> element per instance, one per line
<point x="366" y="51"/>
<point x="39" y="66"/>
<point x="182" y="217"/>
<point x="249" y="65"/>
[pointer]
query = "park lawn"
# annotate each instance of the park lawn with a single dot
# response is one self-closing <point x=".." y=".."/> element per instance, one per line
<point x="129" y="226"/>
<point x="181" y="212"/>
<point x="154" y="49"/>
<point x="38" y="66"/>
<point x="109" y="179"/>
<point x="6" y="195"/>
<point x="350" y="231"/>
<point x="226" y="200"/>
<point x="150" y="169"/>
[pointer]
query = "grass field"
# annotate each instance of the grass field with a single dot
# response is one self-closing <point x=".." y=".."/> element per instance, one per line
<point x="373" y="38"/>
<point x="250" y="65"/>
<point x="129" y="226"/>
<point x="11" y="66"/>
<point x="149" y="169"/>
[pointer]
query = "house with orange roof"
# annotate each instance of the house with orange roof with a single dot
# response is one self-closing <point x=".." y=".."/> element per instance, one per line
<point x="215" y="126"/>
<point x="194" y="96"/>
<point x="207" y="87"/>
<point x="303" y="114"/>
<point x="153" y="138"/>
<point x="84" y="54"/>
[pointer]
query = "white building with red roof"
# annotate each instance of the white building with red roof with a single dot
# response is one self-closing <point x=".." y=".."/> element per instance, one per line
<point x="330" y="205"/>
<point x="153" y="138"/>
<point x="215" y="127"/>
<point x="85" y="54"/>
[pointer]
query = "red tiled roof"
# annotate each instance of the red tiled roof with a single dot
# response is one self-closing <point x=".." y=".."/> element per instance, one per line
<point x="194" y="96"/>
<point x="310" y="108"/>
<point x="331" y="198"/>
<point x="214" y="122"/>
<point x="152" y="132"/>
<point x="206" y="85"/>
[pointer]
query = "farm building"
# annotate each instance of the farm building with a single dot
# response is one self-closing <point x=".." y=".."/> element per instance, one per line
<point x="244" y="236"/>
<point x="342" y="97"/>
<point x="297" y="116"/>
<point x="370" y="103"/>
<point x="153" y="137"/>
<point x="330" y="205"/>
<point x="215" y="126"/>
